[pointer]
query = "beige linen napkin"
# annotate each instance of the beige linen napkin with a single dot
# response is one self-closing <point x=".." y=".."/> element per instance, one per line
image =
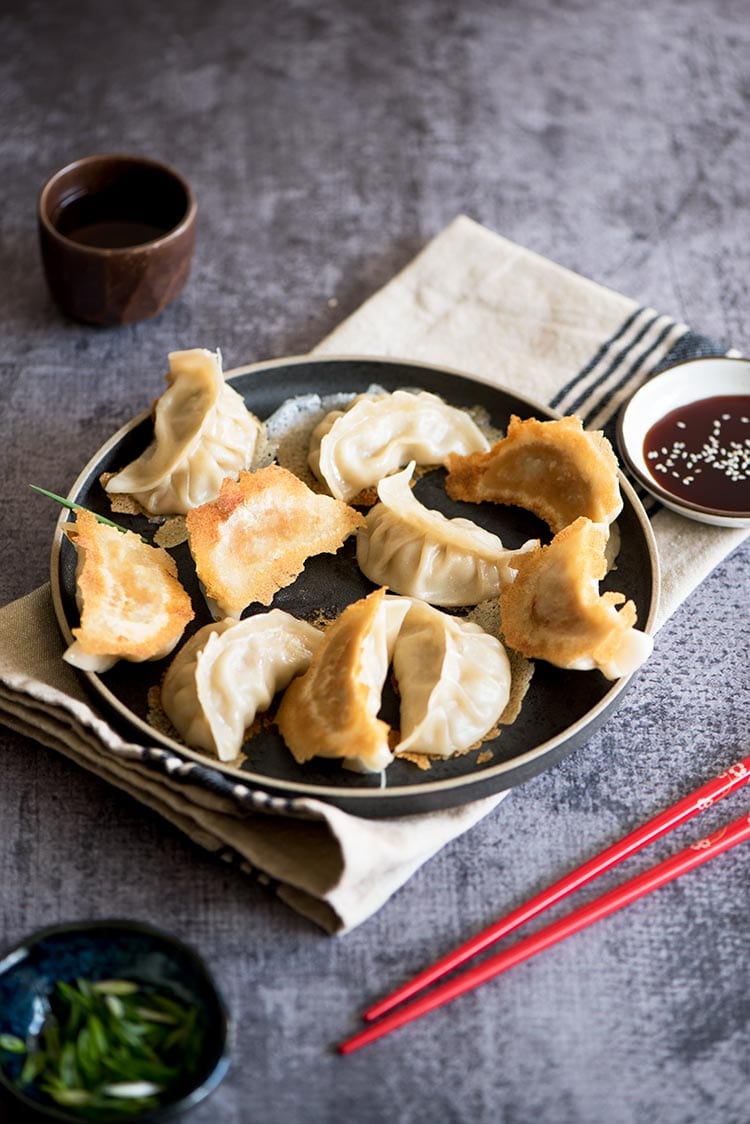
<point x="473" y="301"/>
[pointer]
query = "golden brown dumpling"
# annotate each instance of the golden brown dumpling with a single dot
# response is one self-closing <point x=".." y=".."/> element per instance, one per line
<point x="256" y="537"/>
<point x="556" y="469"/>
<point x="132" y="604"/>
<point x="331" y="710"/>
<point x="553" y="610"/>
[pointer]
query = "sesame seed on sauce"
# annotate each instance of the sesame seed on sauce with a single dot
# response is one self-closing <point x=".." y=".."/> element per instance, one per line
<point x="701" y="452"/>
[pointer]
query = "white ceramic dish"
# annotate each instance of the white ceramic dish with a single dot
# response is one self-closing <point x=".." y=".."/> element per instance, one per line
<point x="691" y="381"/>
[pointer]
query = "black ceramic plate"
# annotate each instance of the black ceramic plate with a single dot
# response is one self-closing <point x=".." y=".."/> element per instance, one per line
<point x="561" y="709"/>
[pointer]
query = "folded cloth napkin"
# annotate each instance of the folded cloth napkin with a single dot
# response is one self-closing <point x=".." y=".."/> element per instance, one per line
<point x="473" y="301"/>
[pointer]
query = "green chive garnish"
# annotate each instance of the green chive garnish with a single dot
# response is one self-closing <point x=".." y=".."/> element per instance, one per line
<point x="78" y="507"/>
<point x="111" y="1047"/>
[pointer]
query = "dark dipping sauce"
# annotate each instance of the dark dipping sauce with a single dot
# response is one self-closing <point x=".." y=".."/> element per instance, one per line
<point x="115" y="234"/>
<point x="701" y="452"/>
<point x="124" y="214"/>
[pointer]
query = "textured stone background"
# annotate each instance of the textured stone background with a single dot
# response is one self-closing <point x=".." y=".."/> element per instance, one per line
<point x="326" y="142"/>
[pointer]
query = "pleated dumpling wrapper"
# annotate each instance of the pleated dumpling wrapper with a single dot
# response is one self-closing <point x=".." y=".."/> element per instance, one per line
<point x="553" y="610"/>
<point x="352" y="449"/>
<point x="421" y="553"/>
<point x="332" y="710"/>
<point x="203" y="432"/>
<point x="454" y="681"/>
<point x="556" y="469"/>
<point x="255" y="538"/>
<point x="131" y="602"/>
<point x="230" y="671"/>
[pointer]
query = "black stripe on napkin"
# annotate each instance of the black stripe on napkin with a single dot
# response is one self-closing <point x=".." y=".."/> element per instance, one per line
<point x="626" y="364"/>
<point x="631" y="372"/>
<point x="690" y="345"/>
<point x="588" y="395"/>
<point x="597" y="358"/>
<point x="186" y="772"/>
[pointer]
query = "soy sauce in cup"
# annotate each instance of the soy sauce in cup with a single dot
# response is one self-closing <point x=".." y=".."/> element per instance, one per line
<point x="89" y="228"/>
<point x="117" y="234"/>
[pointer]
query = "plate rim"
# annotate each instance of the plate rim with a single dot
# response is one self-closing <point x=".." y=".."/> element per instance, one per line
<point x="327" y="793"/>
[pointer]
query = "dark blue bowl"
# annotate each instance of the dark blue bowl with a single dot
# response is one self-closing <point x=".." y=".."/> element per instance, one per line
<point x="98" y="950"/>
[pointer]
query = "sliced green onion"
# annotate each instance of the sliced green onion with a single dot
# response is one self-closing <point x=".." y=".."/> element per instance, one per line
<point x="132" y="1089"/>
<point x="71" y="1098"/>
<point x="111" y="1047"/>
<point x="12" y="1044"/>
<point x="115" y="987"/>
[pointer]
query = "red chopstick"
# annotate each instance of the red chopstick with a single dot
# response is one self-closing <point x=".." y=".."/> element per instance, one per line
<point x="733" y="778"/>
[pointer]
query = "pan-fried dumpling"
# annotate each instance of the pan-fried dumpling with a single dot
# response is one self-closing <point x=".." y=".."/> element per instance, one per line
<point x="553" y="610"/>
<point x="421" y="553"/>
<point x="256" y="537"/>
<point x="229" y="672"/>
<point x="332" y="710"/>
<point x="556" y="469"/>
<point x="202" y="432"/>
<point x="131" y="602"/>
<point x="454" y="680"/>
<point x="351" y="450"/>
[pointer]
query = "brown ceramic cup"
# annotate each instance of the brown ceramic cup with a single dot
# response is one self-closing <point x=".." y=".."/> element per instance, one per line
<point x="117" y="234"/>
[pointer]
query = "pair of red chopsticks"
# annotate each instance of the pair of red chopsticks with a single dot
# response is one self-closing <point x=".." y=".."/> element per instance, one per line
<point x="728" y="836"/>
